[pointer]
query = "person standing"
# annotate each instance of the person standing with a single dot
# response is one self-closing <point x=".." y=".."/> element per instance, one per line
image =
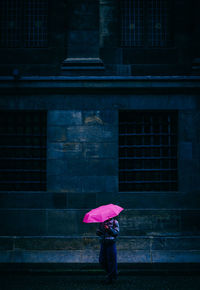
<point x="108" y="232"/>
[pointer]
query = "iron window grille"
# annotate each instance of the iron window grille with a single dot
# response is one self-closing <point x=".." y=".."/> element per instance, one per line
<point x="147" y="151"/>
<point x="23" y="150"/>
<point x="145" y="23"/>
<point x="24" y="23"/>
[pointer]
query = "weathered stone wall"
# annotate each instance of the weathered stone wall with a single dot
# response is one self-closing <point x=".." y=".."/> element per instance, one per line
<point x="82" y="173"/>
<point x="82" y="159"/>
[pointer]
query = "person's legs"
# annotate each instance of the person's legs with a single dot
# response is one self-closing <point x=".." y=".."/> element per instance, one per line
<point x="103" y="257"/>
<point x="111" y="262"/>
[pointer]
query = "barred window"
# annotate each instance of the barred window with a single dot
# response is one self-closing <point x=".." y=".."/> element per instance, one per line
<point x="147" y="151"/>
<point x="22" y="150"/>
<point x="24" y="23"/>
<point x="145" y="23"/>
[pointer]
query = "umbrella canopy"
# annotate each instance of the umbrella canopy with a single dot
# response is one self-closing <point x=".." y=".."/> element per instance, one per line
<point x="102" y="213"/>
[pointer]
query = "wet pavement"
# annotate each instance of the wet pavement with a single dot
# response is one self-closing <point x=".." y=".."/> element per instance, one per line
<point x="48" y="281"/>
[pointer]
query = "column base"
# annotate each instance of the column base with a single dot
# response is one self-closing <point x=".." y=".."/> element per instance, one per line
<point x="196" y="66"/>
<point x="82" y="66"/>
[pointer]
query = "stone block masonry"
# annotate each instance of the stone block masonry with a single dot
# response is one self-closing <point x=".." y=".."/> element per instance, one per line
<point x="80" y="159"/>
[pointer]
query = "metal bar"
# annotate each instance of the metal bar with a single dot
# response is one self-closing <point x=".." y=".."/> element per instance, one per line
<point x="22" y="147"/>
<point x="122" y="23"/>
<point x="125" y="18"/>
<point x="22" y="182"/>
<point x="22" y="135"/>
<point x="152" y="24"/>
<point x="147" y="181"/>
<point x="148" y="158"/>
<point x="132" y="123"/>
<point x="6" y="24"/>
<point x="161" y="14"/>
<point x="22" y="170"/>
<point x="155" y="169"/>
<point x="134" y="23"/>
<point x="145" y="146"/>
<point x="22" y="158"/>
<point x="129" y="21"/>
<point x="145" y="134"/>
<point x="143" y="139"/>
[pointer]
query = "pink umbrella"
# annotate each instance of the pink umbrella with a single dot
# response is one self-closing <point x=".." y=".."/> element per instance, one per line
<point x="102" y="213"/>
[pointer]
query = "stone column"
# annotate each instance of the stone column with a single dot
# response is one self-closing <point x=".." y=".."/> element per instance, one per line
<point x="82" y="37"/>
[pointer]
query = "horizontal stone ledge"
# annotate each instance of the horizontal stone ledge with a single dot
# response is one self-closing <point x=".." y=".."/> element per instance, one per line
<point x="180" y="256"/>
<point x="102" y="78"/>
<point x="83" y="236"/>
<point x="94" y="269"/>
<point x="91" y="256"/>
<point x="70" y="256"/>
<point x="112" y="82"/>
<point x="66" y="243"/>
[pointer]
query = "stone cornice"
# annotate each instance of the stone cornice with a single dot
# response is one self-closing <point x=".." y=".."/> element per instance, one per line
<point x="65" y="83"/>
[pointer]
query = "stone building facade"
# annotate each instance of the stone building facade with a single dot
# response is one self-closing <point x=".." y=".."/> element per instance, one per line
<point x="99" y="104"/>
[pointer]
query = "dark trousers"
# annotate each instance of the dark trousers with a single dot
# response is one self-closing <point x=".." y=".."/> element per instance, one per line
<point x="108" y="259"/>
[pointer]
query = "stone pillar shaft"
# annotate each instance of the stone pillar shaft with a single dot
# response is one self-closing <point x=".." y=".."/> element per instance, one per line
<point x="83" y="36"/>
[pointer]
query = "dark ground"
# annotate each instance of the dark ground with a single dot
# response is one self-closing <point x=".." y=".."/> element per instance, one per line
<point x="61" y="281"/>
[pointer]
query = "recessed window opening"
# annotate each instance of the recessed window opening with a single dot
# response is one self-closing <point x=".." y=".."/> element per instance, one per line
<point x="145" y="23"/>
<point x="23" y="150"/>
<point x="24" y="23"/>
<point x="147" y="151"/>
